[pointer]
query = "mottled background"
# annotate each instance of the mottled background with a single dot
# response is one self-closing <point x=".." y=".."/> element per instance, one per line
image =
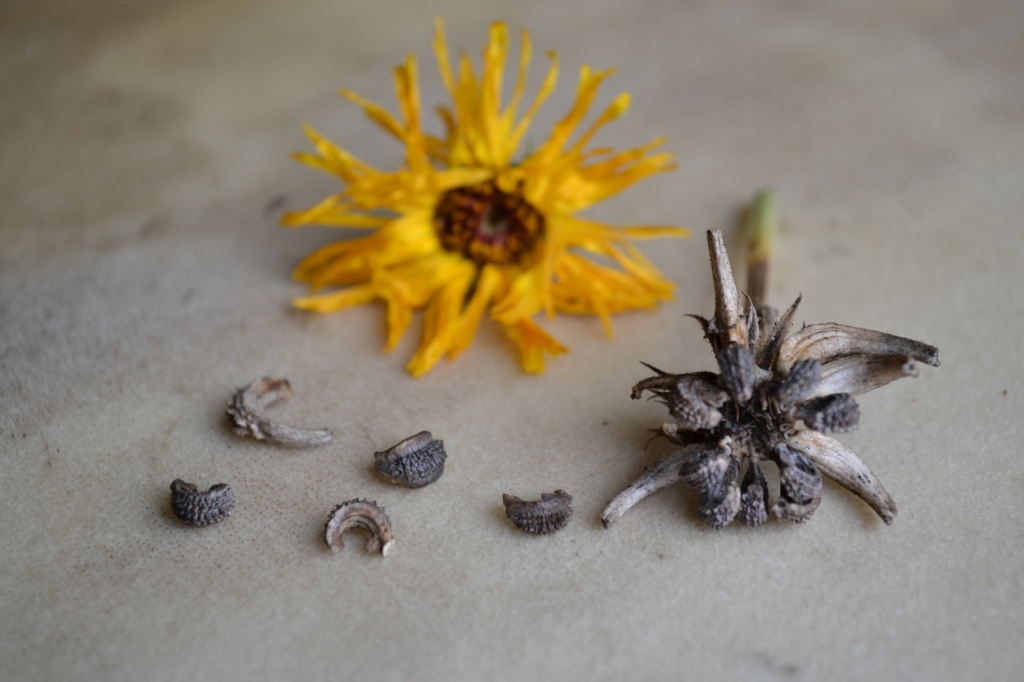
<point x="144" y="165"/>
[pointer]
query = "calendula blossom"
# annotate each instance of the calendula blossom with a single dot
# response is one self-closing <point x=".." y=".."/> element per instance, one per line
<point x="462" y="228"/>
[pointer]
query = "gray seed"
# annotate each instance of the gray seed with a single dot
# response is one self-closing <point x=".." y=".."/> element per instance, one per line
<point x="198" y="508"/>
<point x="803" y="378"/>
<point x="836" y="413"/>
<point x="737" y="373"/>
<point x="801" y="483"/>
<point x="754" y="496"/>
<point x="415" y="462"/>
<point x="540" y="517"/>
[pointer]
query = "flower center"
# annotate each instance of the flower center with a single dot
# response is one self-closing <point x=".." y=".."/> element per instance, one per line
<point x="487" y="225"/>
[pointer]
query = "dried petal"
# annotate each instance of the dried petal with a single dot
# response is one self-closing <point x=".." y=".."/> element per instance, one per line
<point x="415" y="462"/>
<point x="737" y="372"/>
<point x="768" y="353"/>
<point x="836" y="413"/>
<point x="800" y="489"/>
<point x="540" y="517"/>
<point x="844" y="467"/>
<point x="245" y="410"/>
<point x="663" y="473"/>
<point x="197" y="508"/>
<point x="803" y="379"/>
<point x="362" y="515"/>
<point x="754" y="496"/>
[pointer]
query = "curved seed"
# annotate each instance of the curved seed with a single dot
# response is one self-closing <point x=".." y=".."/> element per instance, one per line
<point x="540" y="517"/>
<point x="719" y="507"/>
<point x="800" y="492"/>
<point x="710" y="469"/>
<point x="844" y="467"/>
<point x="802" y="381"/>
<point x="415" y="462"/>
<point x="737" y="372"/>
<point x="245" y="411"/>
<point x="201" y="508"/>
<point x="362" y="515"/>
<point x="754" y="496"/>
<point x="837" y="413"/>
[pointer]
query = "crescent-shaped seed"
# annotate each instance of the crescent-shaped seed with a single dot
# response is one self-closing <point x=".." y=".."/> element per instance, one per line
<point x="539" y="517"/>
<point x="245" y="411"/>
<point x="362" y="515"/>
<point x="201" y="508"/>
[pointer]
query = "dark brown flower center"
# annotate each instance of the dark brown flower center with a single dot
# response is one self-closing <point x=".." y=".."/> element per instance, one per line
<point x="487" y="225"/>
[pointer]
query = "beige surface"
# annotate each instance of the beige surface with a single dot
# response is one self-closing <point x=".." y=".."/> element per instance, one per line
<point x="142" y="277"/>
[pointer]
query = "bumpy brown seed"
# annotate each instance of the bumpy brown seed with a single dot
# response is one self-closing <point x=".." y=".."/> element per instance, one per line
<point x="245" y="412"/>
<point x="199" y="508"/>
<point x="539" y="517"/>
<point x="415" y="462"/>
<point x="362" y="515"/>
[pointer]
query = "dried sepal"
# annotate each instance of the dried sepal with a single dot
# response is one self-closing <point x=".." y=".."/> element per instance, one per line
<point x="663" y="473"/>
<point x="362" y="515"/>
<point x="768" y="352"/>
<point x="547" y="515"/>
<point x="855" y="360"/>
<point x="245" y="411"/>
<point x="201" y="508"/>
<point x="800" y="486"/>
<point x="844" y="467"/>
<point x="415" y="462"/>
<point x="836" y="413"/>
<point x="729" y="324"/>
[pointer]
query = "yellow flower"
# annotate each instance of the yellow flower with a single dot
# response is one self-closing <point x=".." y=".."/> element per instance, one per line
<point x="469" y="230"/>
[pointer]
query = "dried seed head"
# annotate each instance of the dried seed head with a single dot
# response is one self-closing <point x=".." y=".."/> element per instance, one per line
<point x="539" y="517"/>
<point x="803" y="378"/>
<point x="245" y="412"/>
<point x="197" y="508"/>
<point x="362" y="515"/>
<point x="736" y="372"/>
<point x="754" y="496"/>
<point x="800" y="481"/>
<point x="768" y="383"/>
<point x="836" y="413"/>
<point x="415" y="462"/>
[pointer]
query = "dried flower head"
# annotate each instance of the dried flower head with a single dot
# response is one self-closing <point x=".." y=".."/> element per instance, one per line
<point x="464" y="228"/>
<point x="767" y="386"/>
